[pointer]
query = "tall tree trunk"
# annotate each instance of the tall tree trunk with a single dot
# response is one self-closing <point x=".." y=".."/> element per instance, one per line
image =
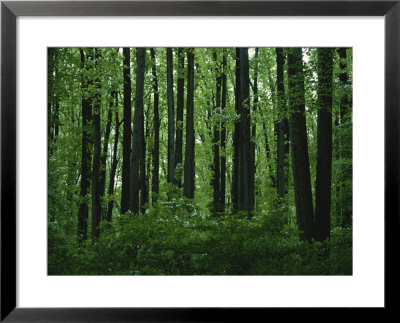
<point x="96" y="205"/>
<point x="126" y="141"/>
<point x="50" y="77"/>
<point x="252" y="168"/>
<point x="283" y="131"/>
<point x="189" y="171"/>
<point x="299" y="145"/>
<point x="268" y="154"/>
<point x="57" y="102"/>
<point x="236" y="138"/>
<point x="138" y="134"/>
<point x="53" y="100"/>
<point x="57" y="120"/>
<point x="324" y="145"/>
<point x="286" y="148"/>
<point x="345" y="119"/>
<point x="114" y="163"/>
<point x="156" y="117"/>
<point x="223" y="136"/>
<point x="171" y="116"/>
<point x="86" y="156"/>
<point x="103" y="160"/>
<point x="179" y="112"/>
<point x="343" y="78"/>
<point x="271" y="160"/>
<point x="144" y="194"/>
<point x="216" y="139"/>
<point x="50" y="124"/>
<point x="338" y="182"/>
<point x="246" y="167"/>
<point x="148" y="164"/>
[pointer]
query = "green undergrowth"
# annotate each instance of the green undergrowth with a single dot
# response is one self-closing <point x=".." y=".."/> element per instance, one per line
<point x="174" y="238"/>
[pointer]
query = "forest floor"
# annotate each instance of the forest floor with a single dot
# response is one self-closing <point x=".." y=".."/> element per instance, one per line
<point x="169" y="240"/>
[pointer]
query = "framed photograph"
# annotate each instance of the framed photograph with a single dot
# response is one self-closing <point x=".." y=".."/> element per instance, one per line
<point x="178" y="160"/>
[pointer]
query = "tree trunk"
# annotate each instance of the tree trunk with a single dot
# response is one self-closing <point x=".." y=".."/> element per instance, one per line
<point x="144" y="193"/>
<point x="189" y="171"/>
<point x="138" y="135"/>
<point x="114" y="163"/>
<point x="57" y="120"/>
<point x="343" y="78"/>
<point x="96" y="205"/>
<point x="57" y="102"/>
<point x="283" y="131"/>
<point x="156" y="117"/>
<point x="53" y="100"/>
<point x="216" y="140"/>
<point x="236" y="138"/>
<point x="268" y="154"/>
<point x="223" y="137"/>
<point x="252" y="168"/>
<point x="324" y="145"/>
<point x="345" y="119"/>
<point x="246" y="186"/>
<point x="271" y="161"/>
<point x="179" y="113"/>
<point x="171" y="116"/>
<point x="299" y="145"/>
<point x="86" y="153"/>
<point x="49" y="125"/>
<point x="338" y="182"/>
<point x="103" y="160"/>
<point x="126" y="141"/>
<point x="50" y="77"/>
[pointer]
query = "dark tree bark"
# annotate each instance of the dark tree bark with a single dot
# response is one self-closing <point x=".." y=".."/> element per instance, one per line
<point x="343" y="78"/>
<point x="216" y="140"/>
<point x="268" y="154"/>
<point x="299" y="145"/>
<point x="171" y="116"/>
<point x="189" y="171"/>
<point x="286" y="150"/>
<point x="138" y="135"/>
<point x="56" y="119"/>
<point x="156" y="117"/>
<point x="246" y="187"/>
<point x="126" y="140"/>
<point x="147" y="163"/>
<point x="179" y="111"/>
<point x="345" y="212"/>
<point x="113" y="163"/>
<point x="252" y="168"/>
<point x="103" y="159"/>
<point x="53" y="101"/>
<point x="236" y="138"/>
<point x="271" y="161"/>
<point x="223" y="137"/>
<point x="338" y="182"/>
<point x="57" y="102"/>
<point x="283" y="131"/>
<point x="49" y="124"/>
<point x="144" y="193"/>
<point x="86" y="152"/>
<point x="324" y="145"/>
<point x="96" y="205"/>
<point x="50" y="77"/>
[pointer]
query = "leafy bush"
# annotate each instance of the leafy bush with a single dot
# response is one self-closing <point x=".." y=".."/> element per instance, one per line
<point x="175" y="238"/>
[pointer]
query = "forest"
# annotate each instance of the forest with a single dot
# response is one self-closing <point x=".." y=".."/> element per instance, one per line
<point x="200" y="161"/>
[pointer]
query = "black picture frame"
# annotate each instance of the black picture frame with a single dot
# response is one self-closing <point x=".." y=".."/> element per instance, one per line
<point x="10" y="10"/>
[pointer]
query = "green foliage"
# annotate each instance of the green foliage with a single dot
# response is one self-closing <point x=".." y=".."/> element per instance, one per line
<point x="175" y="238"/>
